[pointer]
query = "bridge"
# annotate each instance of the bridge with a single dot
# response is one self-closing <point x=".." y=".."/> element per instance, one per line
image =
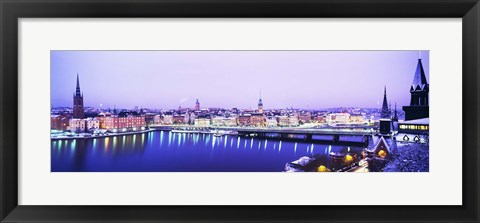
<point x="346" y="135"/>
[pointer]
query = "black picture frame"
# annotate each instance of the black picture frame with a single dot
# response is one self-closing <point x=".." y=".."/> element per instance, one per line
<point x="12" y="10"/>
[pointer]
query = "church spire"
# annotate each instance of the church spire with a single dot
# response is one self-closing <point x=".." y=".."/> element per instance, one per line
<point x="260" y="98"/>
<point x="260" y="103"/>
<point x="385" y="111"/>
<point x="395" y="114"/>
<point x="419" y="80"/>
<point x="418" y="95"/>
<point x="77" y="91"/>
<point x="78" y="109"/>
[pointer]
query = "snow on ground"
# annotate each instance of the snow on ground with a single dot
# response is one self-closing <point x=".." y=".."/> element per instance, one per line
<point x="409" y="157"/>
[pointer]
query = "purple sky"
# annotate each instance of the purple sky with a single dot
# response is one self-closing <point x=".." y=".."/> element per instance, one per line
<point x="299" y="79"/>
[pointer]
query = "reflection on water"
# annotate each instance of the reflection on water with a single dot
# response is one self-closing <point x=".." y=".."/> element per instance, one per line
<point x="163" y="151"/>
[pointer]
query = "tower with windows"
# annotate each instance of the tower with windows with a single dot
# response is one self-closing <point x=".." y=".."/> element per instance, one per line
<point x="260" y="103"/>
<point x="419" y="89"/>
<point x="197" y="106"/>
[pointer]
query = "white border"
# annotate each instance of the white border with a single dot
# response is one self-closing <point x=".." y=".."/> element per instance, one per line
<point x="441" y="186"/>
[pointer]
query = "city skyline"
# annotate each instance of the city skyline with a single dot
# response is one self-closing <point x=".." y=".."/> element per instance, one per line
<point x="228" y="79"/>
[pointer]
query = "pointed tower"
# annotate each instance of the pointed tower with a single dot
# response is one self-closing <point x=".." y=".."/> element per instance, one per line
<point x="395" y="114"/>
<point x="197" y="105"/>
<point x="260" y="103"/>
<point x="78" y="110"/>
<point x="385" y="111"/>
<point x="418" y="95"/>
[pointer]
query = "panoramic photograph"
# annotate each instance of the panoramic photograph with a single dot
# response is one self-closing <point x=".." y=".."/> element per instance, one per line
<point x="239" y="111"/>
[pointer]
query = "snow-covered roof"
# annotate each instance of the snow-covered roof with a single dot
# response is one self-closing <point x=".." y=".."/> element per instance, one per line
<point x="419" y="80"/>
<point x="377" y="142"/>
<point x="422" y="121"/>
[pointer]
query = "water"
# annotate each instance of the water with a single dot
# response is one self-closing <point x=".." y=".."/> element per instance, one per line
<point x="163" y="151"/>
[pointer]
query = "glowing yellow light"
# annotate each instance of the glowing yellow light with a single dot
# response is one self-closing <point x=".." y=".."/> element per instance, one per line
<point x="322" y="168"/>
<point x="348" y="158"/>
<point x="382" y="153"/>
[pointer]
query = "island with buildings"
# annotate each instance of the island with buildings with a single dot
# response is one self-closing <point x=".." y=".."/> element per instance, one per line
<point x="389" y="138"/>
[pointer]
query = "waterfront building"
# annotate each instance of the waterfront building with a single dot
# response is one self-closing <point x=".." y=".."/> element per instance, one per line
<point x="217" y="121"/>
<point x="101" y="117"/>
<point x="320" y="119"/>
<point x="59" y="122"/>
<point x="157" y="119"/>
<point x="149" y="118"/>
<point x="123" y="121"/>
<point x="131" y="121"/>
<point x="105" y="120"/>
<point x="385" y="111"/>
<point x="338" y="118"/>
<point x="305" y="117"/>
<point x="191" y="118"/>
<point x="283" y="120"/>
<point x="167" y="119"/>
<point x="76" y="125"/>
<point x="202" y="122"/>
<point x="186" y="119"/>
<point x="418" y="108"/>
<point x="231" y="121"/>
<point x="257" y="119"/>
<point x="111" y="123"/>
<point x="293" y="120"/>
<point x="272" y="122"/>
<point x="92" y="124"/>
<point x="178" y="119"/>
<point x="197" y="105"/>
<point x="244" y="120"/>
<point x="357" y="119"/>
<point x="78" y="110"/>
<point x="224" y="121"/>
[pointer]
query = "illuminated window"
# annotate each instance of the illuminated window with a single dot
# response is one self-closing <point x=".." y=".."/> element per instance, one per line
<point x="382" y="154"/>
<point x="322" y="168"/>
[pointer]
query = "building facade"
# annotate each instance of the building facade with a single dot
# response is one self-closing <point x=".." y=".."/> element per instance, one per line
<point x="338" y="118"/>
<point x="92" y="124"/>
<point x="305" y="117"/>
<point x="357" y="119"/>
<point x="178" y="119"/>
<point x="224" y="121"/>
<point x="77" y="125"/>
<point x="244" y="120"/>
<point x="123" y="121"/>
<point x="202" y="122"/>
<point x="257" y="119"/>
<point x="283" y="120"/>
<point x="59" y="122"/>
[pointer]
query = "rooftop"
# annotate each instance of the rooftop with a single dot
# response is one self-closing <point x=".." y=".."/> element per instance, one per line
<point x="422" y="121"/>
